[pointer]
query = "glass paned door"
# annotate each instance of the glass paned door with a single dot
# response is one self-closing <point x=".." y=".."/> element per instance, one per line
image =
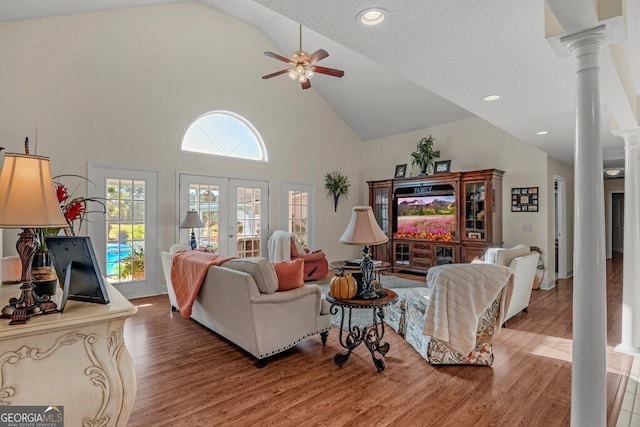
<point x="299" y="215"/>
<point x="234" y="213"/>
<point x="204" y="198"/>
<point x="249" y="212"/>
<point x="125" y="238"/>
<point x="297" y="212"/>
<point x="125" y="229"/>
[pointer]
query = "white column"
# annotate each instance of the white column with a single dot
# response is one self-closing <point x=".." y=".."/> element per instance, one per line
<point x="630" y="342"/>
<point x="589" y="368"/>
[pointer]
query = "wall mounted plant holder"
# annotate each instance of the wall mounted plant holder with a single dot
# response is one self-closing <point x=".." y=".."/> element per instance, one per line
<point x="336" y="185"/>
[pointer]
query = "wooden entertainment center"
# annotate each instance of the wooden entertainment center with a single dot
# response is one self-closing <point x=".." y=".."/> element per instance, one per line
<point x="437" y="219"/>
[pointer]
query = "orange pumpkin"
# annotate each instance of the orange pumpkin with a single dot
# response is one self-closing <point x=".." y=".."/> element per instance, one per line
<point x="343" y="287"/>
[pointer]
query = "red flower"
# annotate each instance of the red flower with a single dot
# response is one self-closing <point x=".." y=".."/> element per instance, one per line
<point x="73" y="210"/>
<point x="61" y="192"/>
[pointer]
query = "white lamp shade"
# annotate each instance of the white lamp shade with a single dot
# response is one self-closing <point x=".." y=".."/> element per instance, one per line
<point x="192" y="220"/>
<point x="27" y="194"/>
<point x="363" y="229"/>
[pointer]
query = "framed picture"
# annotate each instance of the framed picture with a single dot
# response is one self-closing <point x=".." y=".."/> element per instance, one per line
<point x="401" y="171"/>
<point x="442" y="166"/>
<point x="474" y="235"/>
<point x="524" y="199"/>
<point x="77" y="268"/>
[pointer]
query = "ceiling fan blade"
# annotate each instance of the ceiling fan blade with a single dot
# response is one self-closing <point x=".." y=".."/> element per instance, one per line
<point x="277" y="73"/>
<point x="278" y="57"/>
<point x="317" y="56"/>
<point x="329" y="71"/>
<point x="305" y="84"/>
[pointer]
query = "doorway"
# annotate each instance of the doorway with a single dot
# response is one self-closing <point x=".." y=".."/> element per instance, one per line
<point x="235" y="214"/>
<point x="617" y="222"/>
<point x="125" y="237"/>
<point x="560" y="227"/>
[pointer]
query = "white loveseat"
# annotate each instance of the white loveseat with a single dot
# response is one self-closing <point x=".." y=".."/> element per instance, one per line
<point x="239" y="301"/>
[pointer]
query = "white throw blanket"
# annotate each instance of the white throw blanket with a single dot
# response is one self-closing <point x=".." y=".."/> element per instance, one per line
<point x="279" y="246"/>
<point x="461" y="294"/>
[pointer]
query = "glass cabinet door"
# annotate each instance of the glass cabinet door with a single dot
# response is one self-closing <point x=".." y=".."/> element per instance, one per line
<point x="475" y="217"/>
<point x="381" y="208"/>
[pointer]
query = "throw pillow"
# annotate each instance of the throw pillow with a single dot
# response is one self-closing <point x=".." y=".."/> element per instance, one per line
<point x="290" y="274"/>
<point x="179" y="247"/>
<point x="261" y="270"/>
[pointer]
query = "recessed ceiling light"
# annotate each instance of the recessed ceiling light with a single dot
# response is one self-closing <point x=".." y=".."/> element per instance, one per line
<point x="493" y="97"/>
<point x="613" y="171"/>
<point x="542" y="132"/>
<point x="372" y="16"/>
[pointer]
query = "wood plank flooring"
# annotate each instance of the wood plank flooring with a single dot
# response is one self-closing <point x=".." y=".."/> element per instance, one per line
<point x="189" y="376"/>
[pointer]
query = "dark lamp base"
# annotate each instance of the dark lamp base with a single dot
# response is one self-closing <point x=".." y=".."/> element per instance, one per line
<point x="19" y="309"/>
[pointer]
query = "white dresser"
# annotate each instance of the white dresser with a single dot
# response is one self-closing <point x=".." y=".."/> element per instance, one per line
<point x="76" y="359"/>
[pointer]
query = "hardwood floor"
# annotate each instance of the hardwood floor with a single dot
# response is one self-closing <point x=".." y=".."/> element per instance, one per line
<point x="189" y="376"/>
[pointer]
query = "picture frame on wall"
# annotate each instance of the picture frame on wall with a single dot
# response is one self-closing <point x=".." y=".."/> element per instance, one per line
<point x="401" y="171"/>
<point x="524" y="199"/>
<point x="442" y="166"/>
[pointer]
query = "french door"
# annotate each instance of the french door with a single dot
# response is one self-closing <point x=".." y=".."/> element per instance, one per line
<point x="235" y="214"/>
<point x="124" y="238"/>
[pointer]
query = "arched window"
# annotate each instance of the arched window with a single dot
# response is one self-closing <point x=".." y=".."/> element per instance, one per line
<point x="223" y="133"/>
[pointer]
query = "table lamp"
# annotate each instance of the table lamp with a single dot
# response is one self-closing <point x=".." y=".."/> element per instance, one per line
<point x="28" y="201"/>
<point x="192" y="220"/>
<point x="363" y="230"/>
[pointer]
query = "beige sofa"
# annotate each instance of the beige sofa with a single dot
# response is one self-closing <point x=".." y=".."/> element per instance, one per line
<point x="239" y="301"/>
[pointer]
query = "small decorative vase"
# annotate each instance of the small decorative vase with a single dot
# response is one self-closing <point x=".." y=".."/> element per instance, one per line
<point x="43" y="274"/>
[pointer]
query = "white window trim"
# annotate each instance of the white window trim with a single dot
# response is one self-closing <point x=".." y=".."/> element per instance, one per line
<point x="244" y="120"/>
<point x="284" y="208"/>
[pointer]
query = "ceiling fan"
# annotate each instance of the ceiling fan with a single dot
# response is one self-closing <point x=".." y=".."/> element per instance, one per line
<point x="303" y="66"/>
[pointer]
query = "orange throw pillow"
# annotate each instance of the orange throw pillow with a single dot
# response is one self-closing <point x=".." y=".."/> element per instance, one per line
<point x="290" y="274"/>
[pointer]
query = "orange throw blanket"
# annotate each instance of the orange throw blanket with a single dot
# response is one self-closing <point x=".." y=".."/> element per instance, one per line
<point x="188" y="270"/>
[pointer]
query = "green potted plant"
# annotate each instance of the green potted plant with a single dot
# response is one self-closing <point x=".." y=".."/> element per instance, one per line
<point x="336" y="185"/>
<point x="132" y="267"/>
<point x="424" y="154"/>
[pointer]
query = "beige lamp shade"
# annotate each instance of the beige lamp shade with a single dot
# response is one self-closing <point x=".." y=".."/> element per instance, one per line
<point x="363" y="229"/>
<point x="27" y="194"/>
<point x="192" y="220"/>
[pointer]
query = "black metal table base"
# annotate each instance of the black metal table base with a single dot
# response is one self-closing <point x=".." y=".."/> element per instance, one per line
<point x="355" y="335"/>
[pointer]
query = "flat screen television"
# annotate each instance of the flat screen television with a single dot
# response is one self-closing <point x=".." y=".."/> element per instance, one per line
<point x="77" y="268"/>
<point x="429" y="217"/>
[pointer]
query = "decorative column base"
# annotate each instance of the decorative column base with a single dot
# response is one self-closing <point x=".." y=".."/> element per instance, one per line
<point x="633" y="351"/>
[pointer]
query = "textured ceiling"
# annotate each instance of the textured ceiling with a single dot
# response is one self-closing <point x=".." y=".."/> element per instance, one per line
<point x="433" y="61"/>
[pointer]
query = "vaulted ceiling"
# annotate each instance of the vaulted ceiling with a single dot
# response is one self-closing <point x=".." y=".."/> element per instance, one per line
<point x="432" y="61"/>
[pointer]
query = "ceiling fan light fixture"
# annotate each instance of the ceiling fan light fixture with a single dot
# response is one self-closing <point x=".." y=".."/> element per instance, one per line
<point x="372" y="16"/>
<point x="302" y="65"/>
